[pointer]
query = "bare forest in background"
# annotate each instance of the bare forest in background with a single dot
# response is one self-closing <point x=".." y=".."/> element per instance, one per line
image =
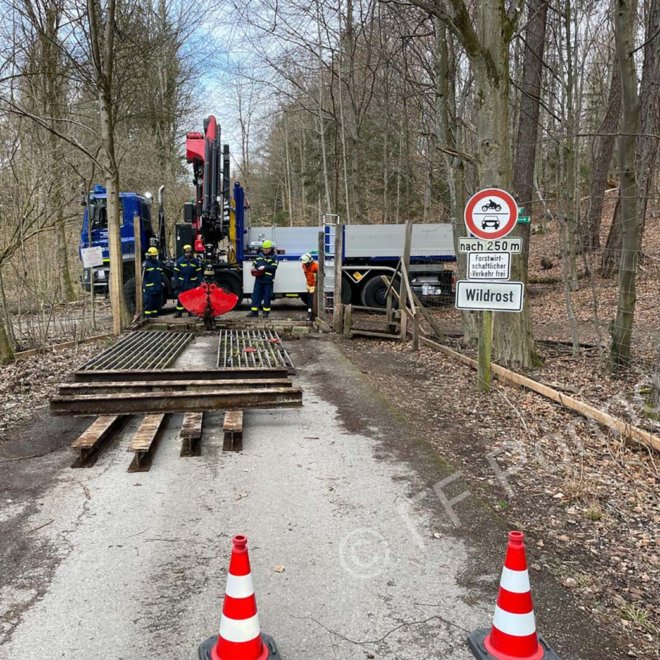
<point x="378" y="112"/>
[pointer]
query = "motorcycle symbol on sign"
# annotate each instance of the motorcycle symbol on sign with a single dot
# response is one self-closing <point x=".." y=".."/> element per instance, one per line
<point x="491" y="206"/>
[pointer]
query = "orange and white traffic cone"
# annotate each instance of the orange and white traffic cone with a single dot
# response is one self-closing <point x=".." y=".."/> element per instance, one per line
<point x="240" y="636"/>
<point x="513" y="634"/>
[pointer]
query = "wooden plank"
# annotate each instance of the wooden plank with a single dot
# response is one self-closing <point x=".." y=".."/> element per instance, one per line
<point x="233" y="431"/>
<point x="373" y="333"/>
<point x="56" y="347"/>
<point x="173" y="402"/>
<point x="627" y="430"/>
<point x="145" y="441"/>
<point x="168" y="385"/>
<point x="93" y="440"/>
<point x="191" y="433"/>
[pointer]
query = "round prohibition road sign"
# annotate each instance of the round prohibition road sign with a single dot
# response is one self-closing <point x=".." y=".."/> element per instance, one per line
<point x="491" y="213"/>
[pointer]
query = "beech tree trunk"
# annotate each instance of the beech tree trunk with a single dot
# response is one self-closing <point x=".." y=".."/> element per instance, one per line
<point x="526" y="144"/>
<point x="102" y="30"/>
<point x="631" y="221"/>
<point x="603" y="146"/>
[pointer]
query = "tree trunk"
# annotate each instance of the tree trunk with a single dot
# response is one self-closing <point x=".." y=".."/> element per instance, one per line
<point x="52" y="102"/>
<point x="526" y="144"/>
<point x="102" y="34"/>
<point x="6" y="348"/>
<point x="513" y="342"/>
<point x="649" y="111"/>
<point x="604" y="148"/>
<point x="612" y="252"/>
<point x="631" y="221"/>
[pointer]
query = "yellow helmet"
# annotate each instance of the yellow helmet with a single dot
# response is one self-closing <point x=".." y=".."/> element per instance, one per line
<point x="152" y="251"/>
<point x="187" y="248"/>
<point x="267" y="244"/>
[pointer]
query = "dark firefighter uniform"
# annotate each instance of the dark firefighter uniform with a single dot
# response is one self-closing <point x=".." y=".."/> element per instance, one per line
<point x="263" y="269"/>
<point x="153" y="283"/>
<point x="187" y="275"/>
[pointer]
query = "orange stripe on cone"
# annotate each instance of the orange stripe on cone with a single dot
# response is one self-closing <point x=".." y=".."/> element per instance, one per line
<point x="513" y="634"/>
<point x="240" y="635"/>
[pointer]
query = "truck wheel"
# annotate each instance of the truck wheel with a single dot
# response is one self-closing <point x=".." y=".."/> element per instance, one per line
<point x="129" y="295"/>
<point x="231" y="283"/>
<point x="374" y="292"/>
<point x="346" y="290"/>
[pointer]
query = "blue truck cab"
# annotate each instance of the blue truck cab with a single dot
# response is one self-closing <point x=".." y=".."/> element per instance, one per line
<point x="94" y="232"/>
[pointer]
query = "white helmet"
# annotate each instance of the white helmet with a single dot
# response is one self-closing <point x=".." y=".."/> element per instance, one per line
<point x="306" y="258"/>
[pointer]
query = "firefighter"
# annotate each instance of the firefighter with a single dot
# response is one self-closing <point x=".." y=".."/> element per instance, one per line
<point x="311" y="269"/>
<point x="187" y="275"/>
<point x="263" y="270"/>
<point x="153" y="283"/>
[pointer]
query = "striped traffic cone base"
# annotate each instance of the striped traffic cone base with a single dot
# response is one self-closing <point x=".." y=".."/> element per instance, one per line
<point x="513" y="634"/>
<point x="479" y="648"/>
<point x="269" y="651"/>
<point x="240" y="637"/>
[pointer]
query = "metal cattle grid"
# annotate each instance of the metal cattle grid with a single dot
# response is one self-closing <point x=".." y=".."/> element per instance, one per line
<point x="141" y="350"/>
<point x="257" y="349"/>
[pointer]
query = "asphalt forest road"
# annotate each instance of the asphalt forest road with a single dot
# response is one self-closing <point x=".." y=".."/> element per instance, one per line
<point x="352" y="553"/>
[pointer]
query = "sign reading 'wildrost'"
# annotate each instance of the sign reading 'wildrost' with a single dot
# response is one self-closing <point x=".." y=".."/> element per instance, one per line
<point x="495" y="296"/>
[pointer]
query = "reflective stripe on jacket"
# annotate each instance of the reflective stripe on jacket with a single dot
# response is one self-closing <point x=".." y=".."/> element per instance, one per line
<point x="187" y="273"/>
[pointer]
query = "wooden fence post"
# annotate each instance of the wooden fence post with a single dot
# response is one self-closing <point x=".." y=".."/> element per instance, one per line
<point x="405" y="266"/>
<point x="139" y="307"/>
<point x="319" y="296"/>
<point x="348" y="321"/>
<point x="337" y="321"/>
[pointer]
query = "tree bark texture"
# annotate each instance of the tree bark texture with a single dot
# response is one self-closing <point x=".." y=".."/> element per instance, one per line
<point x="102" y="30"/>
<point x="646" y="148"/>
<point x="603" y="146"/>
<point x="631" y="221"/>
<point x="525" y="158"/>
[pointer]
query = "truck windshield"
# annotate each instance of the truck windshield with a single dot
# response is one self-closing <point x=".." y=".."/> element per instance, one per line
<point x="98" y="214"/>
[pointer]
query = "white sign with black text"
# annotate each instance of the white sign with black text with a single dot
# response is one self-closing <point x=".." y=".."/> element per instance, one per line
<point x="489" y="266"/>
<point x="467" y="245"/>
<point x="495" y="296"/>
<point x="91" y="257"/>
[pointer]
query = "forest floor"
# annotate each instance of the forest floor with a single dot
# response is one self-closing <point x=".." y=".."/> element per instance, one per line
<point x="587" y="500"/>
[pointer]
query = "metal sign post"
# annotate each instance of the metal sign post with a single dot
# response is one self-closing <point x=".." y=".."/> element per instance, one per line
<point x="490" y="216"/>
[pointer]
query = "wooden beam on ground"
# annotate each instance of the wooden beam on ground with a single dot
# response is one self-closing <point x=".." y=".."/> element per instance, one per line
<point x="627" y="430"/>
<point x="56" y="347"/>
<point x="93" y="440"/>
<point x="174" y="402"/>
<point x="233" y="431"/>
<point x="374" y="333"/>
<point x="145" y="441"/>
<point x="112" y="375"/>
<point x="191" y="434"/>
<point x="169" y="385"/>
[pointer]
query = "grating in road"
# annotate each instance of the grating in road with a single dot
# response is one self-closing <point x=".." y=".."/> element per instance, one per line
<point x="142" y="350"/>
<point x="260" y="349"/>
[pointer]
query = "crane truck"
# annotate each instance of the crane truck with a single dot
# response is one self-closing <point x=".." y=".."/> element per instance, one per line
<point x="215" y="224"/>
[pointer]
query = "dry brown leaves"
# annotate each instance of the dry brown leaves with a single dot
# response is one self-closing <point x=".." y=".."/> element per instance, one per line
<point x="27" y="384"/>
<point x="587" y="499"/>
